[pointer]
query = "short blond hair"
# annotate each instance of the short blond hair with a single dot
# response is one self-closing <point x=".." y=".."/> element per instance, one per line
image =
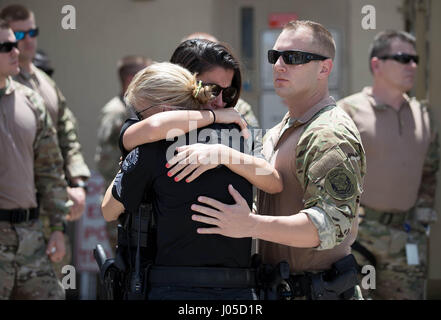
<point x="322" y="37"/>
<point x="167" y="84"/>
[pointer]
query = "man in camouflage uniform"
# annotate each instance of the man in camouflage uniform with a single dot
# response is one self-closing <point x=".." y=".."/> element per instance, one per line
<point x="31" y="177"/>
<point x="318" y="152"/>
<point x="76" y="171"/>
<point x="402" y="153"/>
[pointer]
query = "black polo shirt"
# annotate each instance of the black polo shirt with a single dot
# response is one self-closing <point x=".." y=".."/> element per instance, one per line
<point x="178" y="244"/>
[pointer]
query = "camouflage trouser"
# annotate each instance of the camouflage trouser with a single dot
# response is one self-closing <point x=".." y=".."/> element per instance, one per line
<point x="357" y="295"/>
<point x="25" y="269"/>
<point x="395" y="279"/>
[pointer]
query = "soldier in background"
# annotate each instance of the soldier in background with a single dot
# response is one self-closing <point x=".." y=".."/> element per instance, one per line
<point x="113" y="115"/>
<point x="31" y="181"/>
<point x="22" y="22"/>
<point x="402" y="154"/>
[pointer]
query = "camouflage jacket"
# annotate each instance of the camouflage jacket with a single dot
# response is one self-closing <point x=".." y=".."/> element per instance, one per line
<point x="329" y="168"/>
<point x="50" y="181"/>
<point x="65" y="124"/>
<point x="247" y="113"/>
<point x="107" y="154"/>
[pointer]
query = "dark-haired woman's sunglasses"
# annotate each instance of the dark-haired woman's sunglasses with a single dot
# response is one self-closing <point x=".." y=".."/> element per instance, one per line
<point x="6" y="47"/>
<point x="293" y="57"/>
<point x="20" y="35"/>
<point x="228" y="94"/>
<point x="401" y="58"/>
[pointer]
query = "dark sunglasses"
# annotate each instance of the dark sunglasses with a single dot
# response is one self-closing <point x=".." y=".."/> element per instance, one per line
<point x="293" y="57"/>
<point x="139" y="113"/>
<point x="20" y="35"/>
<point x="7" y="46"/>
<point x="401" y="58"/>
<point x="228" y="94"/>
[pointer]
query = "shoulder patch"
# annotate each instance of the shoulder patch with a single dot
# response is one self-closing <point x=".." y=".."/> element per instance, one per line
<point x="131" y="160"/>
<point x="117" y="183"/>
<point x="340" y="183"/>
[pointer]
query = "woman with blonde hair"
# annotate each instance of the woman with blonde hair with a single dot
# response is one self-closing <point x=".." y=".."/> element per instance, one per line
<point x="187" y="265"/>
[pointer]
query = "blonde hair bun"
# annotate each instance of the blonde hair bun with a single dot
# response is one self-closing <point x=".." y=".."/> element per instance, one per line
<point x="168" y="84"/>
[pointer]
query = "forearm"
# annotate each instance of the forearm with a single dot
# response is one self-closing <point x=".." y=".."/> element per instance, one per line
<point x="256" y="170"/>
<point x="294" y="231"/>
<point x="157" y="127"/>
<point x="110" y="207"/>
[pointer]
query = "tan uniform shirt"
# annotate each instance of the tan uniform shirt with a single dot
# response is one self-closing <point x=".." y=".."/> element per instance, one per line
<point x="62" y="118"/>
<point x="321" y="161"/>
<point x="396" y="144"/>
<point x="30" y="159"/>
<point x="18" y="127"/>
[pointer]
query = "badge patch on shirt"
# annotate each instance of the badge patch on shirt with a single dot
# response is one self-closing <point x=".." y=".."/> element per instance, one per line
<point x="131" y="160"/>
<point x="340" y="183"/>
<point x="117" y="183"/>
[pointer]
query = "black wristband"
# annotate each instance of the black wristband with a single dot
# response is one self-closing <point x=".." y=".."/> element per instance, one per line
<point x="79" y="184"/>
<point x="214" y="115"/>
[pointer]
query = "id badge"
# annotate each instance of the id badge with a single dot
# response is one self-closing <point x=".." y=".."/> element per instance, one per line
<point x="412" y="254"/>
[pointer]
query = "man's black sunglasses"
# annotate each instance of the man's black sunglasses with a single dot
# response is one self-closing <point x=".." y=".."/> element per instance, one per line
<point x="228" y="94"/>
<point x="7" y="46"/>
<point x="403" y="58"/>
<point x="20" y="35"/>
<point x="293" y="57"/>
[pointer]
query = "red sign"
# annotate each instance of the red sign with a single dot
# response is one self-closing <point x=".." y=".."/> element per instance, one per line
<point x="278" y="20"/>
<point x="91" y="228"/>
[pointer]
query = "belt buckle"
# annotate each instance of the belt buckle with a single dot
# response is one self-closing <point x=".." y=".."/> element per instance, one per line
<point x="27" y="214"/>
<point x="15" y="218"/>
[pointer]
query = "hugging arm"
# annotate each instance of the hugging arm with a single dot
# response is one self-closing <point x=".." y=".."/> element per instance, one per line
<point x="174" y="123"/>
<point x="193" y="160"/>
<point x="131" y="183"/>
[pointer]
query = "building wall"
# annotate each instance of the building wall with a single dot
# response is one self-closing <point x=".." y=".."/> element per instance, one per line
<point x="388" y="16"/>
<point x="85" y="59"/>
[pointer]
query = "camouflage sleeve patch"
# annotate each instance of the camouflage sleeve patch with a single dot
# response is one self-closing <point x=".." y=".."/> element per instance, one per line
<point x="340" y="183"/>
<point x="330" y="163"/>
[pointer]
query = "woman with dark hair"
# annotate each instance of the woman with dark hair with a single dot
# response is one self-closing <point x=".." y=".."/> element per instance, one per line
<point x="208" y="59"/>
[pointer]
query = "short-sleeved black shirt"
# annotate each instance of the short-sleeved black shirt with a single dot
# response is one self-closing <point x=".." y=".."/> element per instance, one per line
<point x="178" y="244"/>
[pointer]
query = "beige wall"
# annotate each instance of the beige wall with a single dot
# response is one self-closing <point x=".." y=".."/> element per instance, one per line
<point x="387" y="17"/>
<point x="85" y="59"/>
